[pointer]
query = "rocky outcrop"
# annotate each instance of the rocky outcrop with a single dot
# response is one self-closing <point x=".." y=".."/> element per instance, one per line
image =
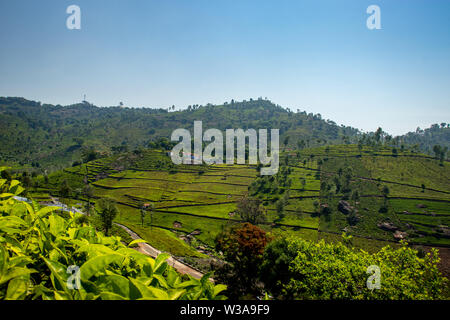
<point x="177" y="224"/>
<point x="444" y="231"/>
<point x="345" y="207"/>
<point x="400" y="235"/>
<point x="387" y="226"/>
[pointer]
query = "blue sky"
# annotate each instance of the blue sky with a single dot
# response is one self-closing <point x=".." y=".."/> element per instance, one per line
<point x="317" y="56"/>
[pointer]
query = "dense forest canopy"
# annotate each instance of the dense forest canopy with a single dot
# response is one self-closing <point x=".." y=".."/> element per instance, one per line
<point x="437" y="134"/>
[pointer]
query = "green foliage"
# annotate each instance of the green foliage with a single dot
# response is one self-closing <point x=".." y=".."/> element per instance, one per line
<point x="144" y="207"/>
<point x="428" y="138"/>
<point x="440" y="153"/>
<point x="37" y="247"/>
<point x="276" y="184"/>
<point x="280" y="204"/>
<point x="89" y="154"/>
<point x="164" y="240"/>
<point x="274" y="270"/>
<point x="307" y="270"/>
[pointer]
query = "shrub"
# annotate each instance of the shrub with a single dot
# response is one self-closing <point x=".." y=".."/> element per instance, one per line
<point x="37" y="247"/>
<point x="320" y="270"/>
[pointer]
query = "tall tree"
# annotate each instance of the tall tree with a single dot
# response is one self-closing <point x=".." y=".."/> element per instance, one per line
<point x="249" y="209"/>
<point x="243" y="248"/>
<point x="88" y="192"/>
<point x="143" y="213"/>
<point x="65" y="190"/>
<point x="280" y="208"/>
<point x="378" y="135"/>
<point x="108" y="212"/>
<point x="385" y="191"/>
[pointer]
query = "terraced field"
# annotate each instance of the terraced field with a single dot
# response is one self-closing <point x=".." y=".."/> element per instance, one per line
<point x="204" y="203"/>
<point x="194" y="203"/>
<point x="418" y="202"/>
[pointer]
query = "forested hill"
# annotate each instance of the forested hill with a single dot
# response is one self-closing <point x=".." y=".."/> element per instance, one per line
<point x="437" y="134"/>
<point x="53" y="135"/>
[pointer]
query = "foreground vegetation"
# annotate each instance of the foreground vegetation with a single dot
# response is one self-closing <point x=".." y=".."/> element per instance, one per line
<point x="307" y="270"/>
<point x="294" y="268"/>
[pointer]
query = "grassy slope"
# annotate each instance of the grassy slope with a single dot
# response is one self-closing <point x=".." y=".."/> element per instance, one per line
<point x="404" y="176"/>
<point x="202" y="198"/>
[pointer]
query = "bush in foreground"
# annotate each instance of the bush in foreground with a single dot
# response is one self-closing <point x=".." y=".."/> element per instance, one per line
<point x="40" y="253"/>
<point x="300" y="269"/>
<point x="243" y="248"/>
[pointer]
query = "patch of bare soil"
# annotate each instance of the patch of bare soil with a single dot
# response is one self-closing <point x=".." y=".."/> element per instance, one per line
<point x="444" y="265"/>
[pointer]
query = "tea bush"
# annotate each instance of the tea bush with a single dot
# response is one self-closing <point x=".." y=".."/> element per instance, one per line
<point x="38" y="245"/>
<point x="300" y="269"/>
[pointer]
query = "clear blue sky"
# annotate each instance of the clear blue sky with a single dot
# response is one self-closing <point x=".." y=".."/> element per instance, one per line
<point x="314" y="55"/>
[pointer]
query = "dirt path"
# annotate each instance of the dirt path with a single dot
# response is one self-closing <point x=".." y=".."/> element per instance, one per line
<point x="148" y="250"/>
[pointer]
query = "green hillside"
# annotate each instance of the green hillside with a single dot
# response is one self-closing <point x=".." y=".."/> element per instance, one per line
<point x="302" y="199"/>
<point x="50" y="137"/>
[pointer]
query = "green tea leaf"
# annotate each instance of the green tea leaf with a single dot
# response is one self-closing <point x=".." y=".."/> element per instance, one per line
<point x="17" y="288"/>
<point x="136" y="242"/>
<point x="98" y="264"/>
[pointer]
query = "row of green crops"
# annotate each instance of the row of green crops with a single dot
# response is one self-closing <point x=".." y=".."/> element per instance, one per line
<point x="44" y="255"/>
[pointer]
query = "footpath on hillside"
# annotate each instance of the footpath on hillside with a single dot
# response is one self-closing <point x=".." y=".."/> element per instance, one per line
<point x="148" y="250"/>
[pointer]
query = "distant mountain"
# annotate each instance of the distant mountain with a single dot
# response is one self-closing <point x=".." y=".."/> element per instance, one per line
<point x="54" y="136"/>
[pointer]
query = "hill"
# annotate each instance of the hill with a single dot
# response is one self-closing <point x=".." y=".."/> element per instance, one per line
<point x="437" y="134"/>
<point x="54" y="136"/>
